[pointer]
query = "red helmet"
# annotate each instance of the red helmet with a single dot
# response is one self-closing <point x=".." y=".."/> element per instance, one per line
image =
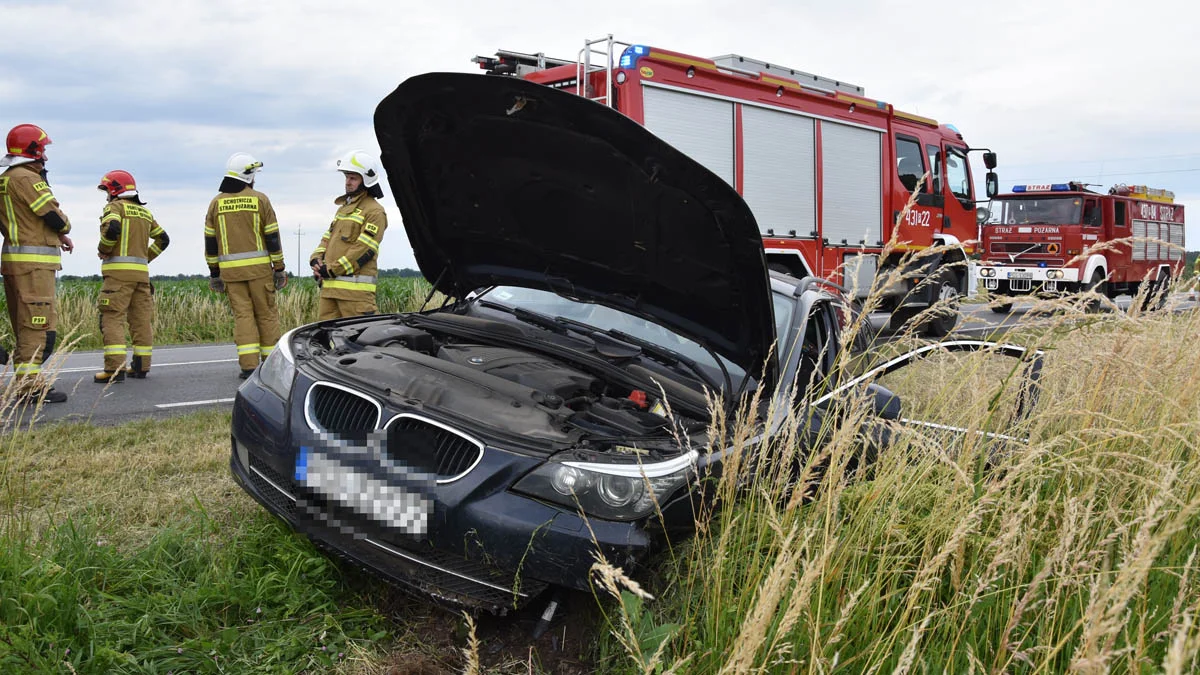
<point x="27" y="140"/>
<point x="117" y="183"/>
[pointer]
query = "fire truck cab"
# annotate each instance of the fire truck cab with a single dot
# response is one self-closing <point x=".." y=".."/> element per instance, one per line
<point x="826" y="171"/>
<point x="1051" y="240"/>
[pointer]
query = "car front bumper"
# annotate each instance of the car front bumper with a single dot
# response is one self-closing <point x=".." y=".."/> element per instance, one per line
<point x="485" y="546"/>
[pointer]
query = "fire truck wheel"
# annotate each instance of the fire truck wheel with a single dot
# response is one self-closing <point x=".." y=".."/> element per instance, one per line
<point x="1005" y="308"/>
<point x="1100" y="287"/>
<point x="1156" y="296"/>
<point x="946" y="318"/>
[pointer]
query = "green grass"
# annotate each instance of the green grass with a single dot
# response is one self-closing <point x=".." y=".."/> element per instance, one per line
<point x="187" y="312"/>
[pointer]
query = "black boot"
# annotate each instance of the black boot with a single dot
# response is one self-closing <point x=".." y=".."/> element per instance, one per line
<point x="245" y="373"/>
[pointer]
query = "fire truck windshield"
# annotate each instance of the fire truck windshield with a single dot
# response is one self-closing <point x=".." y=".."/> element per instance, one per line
<point x="1065" y="210"/>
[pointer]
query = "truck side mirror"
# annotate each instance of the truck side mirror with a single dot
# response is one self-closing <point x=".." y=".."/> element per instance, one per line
<point x="992" y="183"/>
<point x="982" y="214"/>
<point x="989" y="160"/>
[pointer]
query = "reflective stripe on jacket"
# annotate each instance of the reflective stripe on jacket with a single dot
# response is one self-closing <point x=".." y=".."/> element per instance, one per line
<point x="242" y="236"/>
<point x="350" y="247"/>
<point x="130" y="238"/>
<point x="25" y="201"/>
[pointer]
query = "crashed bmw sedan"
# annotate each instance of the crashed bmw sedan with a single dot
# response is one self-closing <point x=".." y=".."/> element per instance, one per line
<point x="605" y="286"/>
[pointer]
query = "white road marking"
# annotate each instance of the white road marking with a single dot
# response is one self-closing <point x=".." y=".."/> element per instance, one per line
<point x="186" y="403"/>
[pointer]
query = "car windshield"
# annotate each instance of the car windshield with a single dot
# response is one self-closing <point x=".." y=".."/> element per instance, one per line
<point x="607" y="318"/>
<point x="1065" y="210"/>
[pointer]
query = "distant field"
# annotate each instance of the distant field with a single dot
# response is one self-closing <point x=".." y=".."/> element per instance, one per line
<point x="188" y="312"/>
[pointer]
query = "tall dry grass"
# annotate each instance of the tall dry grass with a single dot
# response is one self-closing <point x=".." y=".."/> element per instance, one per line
<point x="1068" y="548"/>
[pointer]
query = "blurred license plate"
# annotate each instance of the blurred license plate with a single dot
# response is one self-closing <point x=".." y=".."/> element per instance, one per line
<point x="1020" y="275"/>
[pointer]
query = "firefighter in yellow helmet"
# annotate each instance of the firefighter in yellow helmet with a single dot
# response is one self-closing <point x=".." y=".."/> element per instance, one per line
<point x="34" y="230"/>
<point x="245" y="260"/>
<point x="345" y="263"/>
<point x="130" y="238"/>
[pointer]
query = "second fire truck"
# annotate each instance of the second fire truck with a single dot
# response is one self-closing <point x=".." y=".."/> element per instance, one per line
<point x="826" y="171"/>
<point x="1046" y="240"/>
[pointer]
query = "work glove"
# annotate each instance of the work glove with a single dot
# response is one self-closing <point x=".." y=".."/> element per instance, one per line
<point x="216" y="285"/>
<point x="325" y="273"/>
<point x="280" y="279"/>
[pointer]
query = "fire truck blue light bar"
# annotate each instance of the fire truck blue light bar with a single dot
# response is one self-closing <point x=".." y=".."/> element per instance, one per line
<point x="1054" y="187"/>
<point x="632" y="53"/>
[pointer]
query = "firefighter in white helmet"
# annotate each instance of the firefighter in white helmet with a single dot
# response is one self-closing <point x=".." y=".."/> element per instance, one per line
<point x="130" y="238"/>
<point x="245" y="259"/>
<point x="345" y="262"/>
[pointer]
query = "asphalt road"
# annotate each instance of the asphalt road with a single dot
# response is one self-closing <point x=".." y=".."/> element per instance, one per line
<point x="189" y="378"/>
<point x="182" y="379"/>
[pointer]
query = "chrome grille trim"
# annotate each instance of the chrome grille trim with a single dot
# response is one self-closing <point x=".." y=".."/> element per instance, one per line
<point x="470" y="439"/>
<point x="308" y="404"/>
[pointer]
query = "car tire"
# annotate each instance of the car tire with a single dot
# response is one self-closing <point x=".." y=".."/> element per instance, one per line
<point x="1005" y="308"/>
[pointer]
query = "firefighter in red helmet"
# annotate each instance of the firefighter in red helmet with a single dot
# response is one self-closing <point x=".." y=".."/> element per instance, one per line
<point x="34" y="232"/>
<point x="130" y="238"/>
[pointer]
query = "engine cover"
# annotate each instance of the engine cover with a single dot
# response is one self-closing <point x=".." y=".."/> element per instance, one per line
<point x="530" y="370"/>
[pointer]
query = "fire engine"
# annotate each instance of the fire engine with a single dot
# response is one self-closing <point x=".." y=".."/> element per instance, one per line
<point x="826" y="171"/>
<point x="1048" y="240"/>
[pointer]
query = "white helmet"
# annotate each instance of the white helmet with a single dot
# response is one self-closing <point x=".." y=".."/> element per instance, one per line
<point x="362" y="163"/>
<point x="242" y="166"/>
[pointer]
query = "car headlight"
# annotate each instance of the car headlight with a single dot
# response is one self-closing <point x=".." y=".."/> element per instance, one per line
<point x="279" y="370"/>
<point x="1054" y="274"/>
<point x="987" y="272"/>
<point x="608" y="491"/>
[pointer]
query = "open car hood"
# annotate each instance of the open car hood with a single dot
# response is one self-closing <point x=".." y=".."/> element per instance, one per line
<point x="503" y="181"/>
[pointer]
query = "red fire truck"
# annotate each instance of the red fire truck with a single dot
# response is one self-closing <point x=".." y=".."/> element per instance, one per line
<point x="1049" y="240"/>
<point x="825" y="170"/>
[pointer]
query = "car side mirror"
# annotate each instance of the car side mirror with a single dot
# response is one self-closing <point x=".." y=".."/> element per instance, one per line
<point x="992" y="184"/>
<point x="989" y="160"/>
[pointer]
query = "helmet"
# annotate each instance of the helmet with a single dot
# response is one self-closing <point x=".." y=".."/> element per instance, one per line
<point x="118" y="183"/>
<point x="26" y="143"/>
<point x="242" y="166"/>
<point x="361" y="163"/>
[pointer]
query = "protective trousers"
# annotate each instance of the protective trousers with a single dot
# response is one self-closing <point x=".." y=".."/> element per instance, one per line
<point x="336" y="308"/>
<point x="33" y="316"/>
<point x="255" y="319"/>
<point x="121" y="303"/>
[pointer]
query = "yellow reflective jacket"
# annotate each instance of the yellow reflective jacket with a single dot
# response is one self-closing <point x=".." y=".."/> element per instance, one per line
<point x="126" y="230"/>
<point x="29" y="243"/>
<point x="241" y="236"/>
<point x="350" y="247"/>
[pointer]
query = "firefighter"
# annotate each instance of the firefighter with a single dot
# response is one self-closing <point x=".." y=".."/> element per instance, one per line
<point x="245" y="260"/>
<point x="34" y="231"/>
<point x="344" y="264"/>
<point x="129" y="239"/>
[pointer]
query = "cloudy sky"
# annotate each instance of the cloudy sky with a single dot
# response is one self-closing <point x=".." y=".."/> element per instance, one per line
<point x="1103" y="92"/>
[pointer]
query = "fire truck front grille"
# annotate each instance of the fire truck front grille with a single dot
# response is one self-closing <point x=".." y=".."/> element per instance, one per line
<point x="1018" y="247"/>
<point x="1030" y="261"/>
<point x="1020" y="285"/>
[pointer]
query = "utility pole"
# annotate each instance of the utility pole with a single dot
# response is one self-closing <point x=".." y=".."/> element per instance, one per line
<point x="298" y="255"/>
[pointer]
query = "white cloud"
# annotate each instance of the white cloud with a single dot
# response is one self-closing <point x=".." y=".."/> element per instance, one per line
<point x="1059" y="88"/>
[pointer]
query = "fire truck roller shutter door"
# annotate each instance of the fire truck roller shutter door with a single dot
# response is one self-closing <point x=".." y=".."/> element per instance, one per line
<point x="852" y="199"/>
<point x="779" y="171"/>
<point x="699" y="126"/>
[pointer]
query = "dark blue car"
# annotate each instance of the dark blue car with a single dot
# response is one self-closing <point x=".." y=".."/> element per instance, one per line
<point x="606" y="285"/>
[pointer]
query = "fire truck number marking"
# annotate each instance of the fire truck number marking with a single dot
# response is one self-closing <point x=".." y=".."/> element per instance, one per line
<point x="917" y="218"/>
<point x="1157" y="212"/>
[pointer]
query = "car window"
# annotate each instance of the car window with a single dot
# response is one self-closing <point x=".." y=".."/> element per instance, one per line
<point x="607" y="318"/>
